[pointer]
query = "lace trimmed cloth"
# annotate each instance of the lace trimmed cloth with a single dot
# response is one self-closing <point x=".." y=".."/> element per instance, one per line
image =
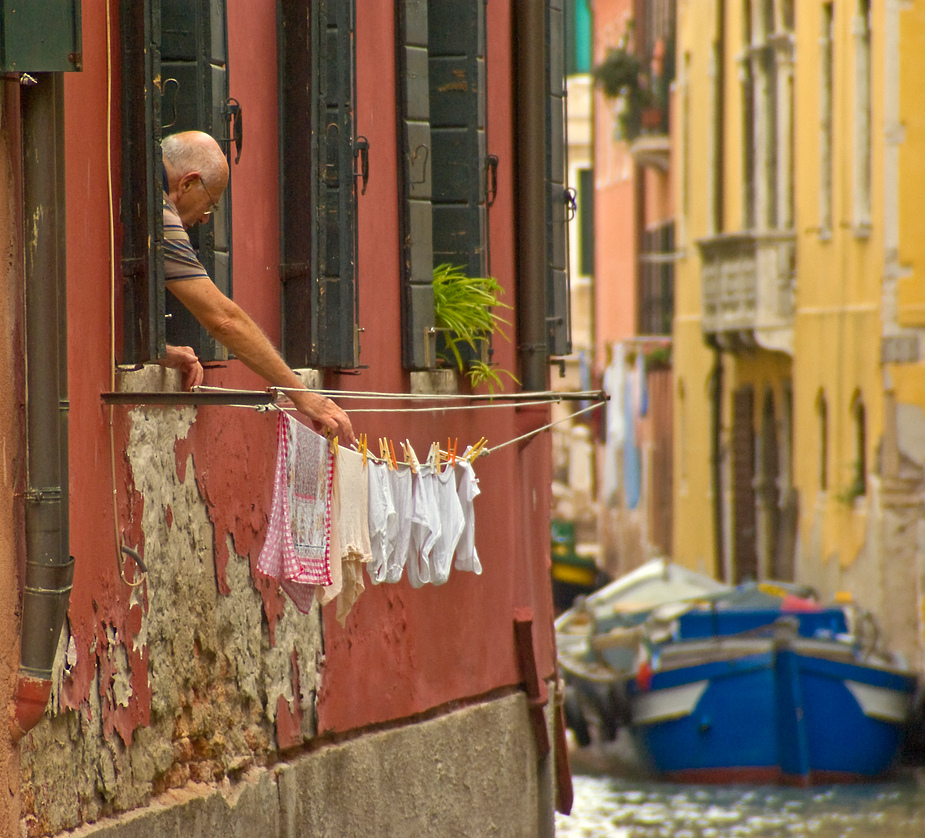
<point x="296" y="552"/>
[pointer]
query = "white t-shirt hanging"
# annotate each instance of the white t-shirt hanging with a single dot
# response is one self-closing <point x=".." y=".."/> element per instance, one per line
<point x="467" y="488"/>
<point x="383" y="520"/>
<point x="452" y="524"/>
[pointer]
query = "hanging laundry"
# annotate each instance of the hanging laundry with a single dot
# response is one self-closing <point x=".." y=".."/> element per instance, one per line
<point x="401" y="481"/>
<point x="350" y="539"/>
<point x="452" y="523"/>
<point x="382" y="519"/>
<point x="425" y="528"/>
<point x="467" y="488"/>
<point x="632" y="457"/>
<point x="296" y="549"/>
<point x="614" y="385"/>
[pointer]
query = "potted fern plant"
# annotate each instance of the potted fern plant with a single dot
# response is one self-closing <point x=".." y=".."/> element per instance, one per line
<point x="466" y="315"/>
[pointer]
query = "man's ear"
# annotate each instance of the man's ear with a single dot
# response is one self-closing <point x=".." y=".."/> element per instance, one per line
<point x="187" y="182"/>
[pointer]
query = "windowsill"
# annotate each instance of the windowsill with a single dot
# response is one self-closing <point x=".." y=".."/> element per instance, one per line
<point x="434" y="382"/>
<point x="312" y="378"/>
<point x="861" y="230"/>
<point x="148" y="378"/>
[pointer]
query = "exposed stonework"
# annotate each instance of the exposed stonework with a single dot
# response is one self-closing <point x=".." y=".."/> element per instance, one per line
<point x="216" y="684"/>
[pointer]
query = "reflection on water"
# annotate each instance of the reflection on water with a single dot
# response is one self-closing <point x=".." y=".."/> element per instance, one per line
<point x="610" y="807"/>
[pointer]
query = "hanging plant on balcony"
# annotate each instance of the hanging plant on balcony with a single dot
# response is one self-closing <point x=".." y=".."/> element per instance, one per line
<point x="465" y="313"/>
<point x="621" y="76"/>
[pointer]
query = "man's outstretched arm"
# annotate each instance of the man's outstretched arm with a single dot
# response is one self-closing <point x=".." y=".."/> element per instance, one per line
<point x="231" y="326"/>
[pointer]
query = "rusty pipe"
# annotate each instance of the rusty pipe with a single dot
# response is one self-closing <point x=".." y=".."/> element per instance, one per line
<point x="49" y="567"/>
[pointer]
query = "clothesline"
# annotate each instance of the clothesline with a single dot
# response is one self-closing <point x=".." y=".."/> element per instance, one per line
<point x="443" y="408"/>
<point x="544" y="428"/>
<point x="263" y="400"/>
<point x="484" y="450"/>
<point x="340" y="395"/>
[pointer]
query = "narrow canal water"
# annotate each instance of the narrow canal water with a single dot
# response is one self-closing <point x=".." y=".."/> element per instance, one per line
<point x="607" y="806"/>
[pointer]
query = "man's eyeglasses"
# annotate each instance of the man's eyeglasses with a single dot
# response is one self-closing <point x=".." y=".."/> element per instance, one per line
<point x="213" y="205"/>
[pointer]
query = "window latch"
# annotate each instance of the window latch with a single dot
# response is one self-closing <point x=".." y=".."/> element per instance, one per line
<point x="492" y="164"/>
<point x="571" y="203"/>
<point x="361" y="150"/>
<point x="234" y="121"/>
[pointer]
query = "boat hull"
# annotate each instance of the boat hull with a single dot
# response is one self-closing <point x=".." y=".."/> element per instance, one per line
<point x="797" y="713"/>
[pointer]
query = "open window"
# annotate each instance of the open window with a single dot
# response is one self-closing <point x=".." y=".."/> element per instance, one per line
<point x="174" y="78"/>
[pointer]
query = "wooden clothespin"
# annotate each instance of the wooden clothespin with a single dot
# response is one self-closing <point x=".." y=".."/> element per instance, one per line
<point x="334" y="445"/>
<point x="384" y="452"/>
<point x="363" y="450"/>
<point x="411" y="456"/>
<point x="476" y="449"/>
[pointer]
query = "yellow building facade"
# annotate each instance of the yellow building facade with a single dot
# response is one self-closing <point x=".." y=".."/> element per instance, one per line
<point x="799" y="151"/>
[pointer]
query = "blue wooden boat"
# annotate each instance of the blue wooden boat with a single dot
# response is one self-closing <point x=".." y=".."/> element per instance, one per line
<point x="763" y="695"/>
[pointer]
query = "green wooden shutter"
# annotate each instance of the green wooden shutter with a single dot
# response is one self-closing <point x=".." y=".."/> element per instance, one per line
<point x="334" y="233"/>
<point x="295" y="177"/>
<point x="418" y="345"/>
<point x="194" y="89"/>
<point x="142" y="217"/>
<point x="318" y="201"/>
<point x="586" y="222"/>
<point x="557" y="285"/>
<point x="40" y="36"/>
<point x="456" y="52"/>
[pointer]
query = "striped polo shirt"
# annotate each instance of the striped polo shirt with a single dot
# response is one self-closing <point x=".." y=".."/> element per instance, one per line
<point x="180" y="260"/>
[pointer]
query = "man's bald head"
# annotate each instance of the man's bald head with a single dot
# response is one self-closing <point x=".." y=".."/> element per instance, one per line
<point x="195" y="151"/>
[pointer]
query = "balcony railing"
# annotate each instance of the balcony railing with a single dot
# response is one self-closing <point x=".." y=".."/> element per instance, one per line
<point x="747" y="287"/>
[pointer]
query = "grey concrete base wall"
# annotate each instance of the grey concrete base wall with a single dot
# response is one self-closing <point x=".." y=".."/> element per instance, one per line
<point x="471" y="773"/>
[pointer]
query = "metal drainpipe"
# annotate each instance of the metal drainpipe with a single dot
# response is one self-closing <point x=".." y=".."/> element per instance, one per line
<point x="49" y="567"/>
<point x="531" y="97"/>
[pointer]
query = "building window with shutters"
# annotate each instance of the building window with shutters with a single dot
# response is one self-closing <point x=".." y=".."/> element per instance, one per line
<point x="862" y="116"/>
<point x="822" y="412"/>
<point x="655" y="296"/>
<point x="858" y="485"/>
<point x="178" y="51"/>
<point x="826" y="118"/>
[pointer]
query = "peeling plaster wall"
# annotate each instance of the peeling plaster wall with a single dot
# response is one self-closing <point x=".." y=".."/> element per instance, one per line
<point x="883" y="572"/>
<point x="209" y="695"/>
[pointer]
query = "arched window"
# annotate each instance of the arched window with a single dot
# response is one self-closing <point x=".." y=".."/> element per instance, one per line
<point x="858" y="485"/>
<point x="682" y="433"/>
<point x="822" y="411"/>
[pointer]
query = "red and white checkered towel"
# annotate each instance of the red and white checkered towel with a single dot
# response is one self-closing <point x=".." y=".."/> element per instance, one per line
<point x="296" y="549"/>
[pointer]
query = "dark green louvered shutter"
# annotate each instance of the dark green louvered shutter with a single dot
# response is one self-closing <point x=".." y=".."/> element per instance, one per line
<point x="456" y="48"/>
<point x="557" y="285"/>
<point x="295" y="178"/>
<point x="334" y="233"/>
<point x="40" y="36"/>
<point x="318" y="148"/>
<point x="142" y="218"/>
<point x="418" y="346"/>
<point x="194" y="90"/>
